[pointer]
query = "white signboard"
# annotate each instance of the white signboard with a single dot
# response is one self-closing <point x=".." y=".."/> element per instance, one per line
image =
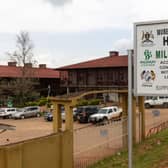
<point x="151" y="58"/>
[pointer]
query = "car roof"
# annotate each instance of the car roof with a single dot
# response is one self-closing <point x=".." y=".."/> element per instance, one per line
<point x="88" y="106"/>
<point x="6" y="108"/>
<point x="31" y="106"/>
<point x="109" y="107"/>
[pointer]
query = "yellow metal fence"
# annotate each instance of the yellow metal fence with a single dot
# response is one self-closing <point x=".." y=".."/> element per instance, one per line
<point x="53" y="151"/>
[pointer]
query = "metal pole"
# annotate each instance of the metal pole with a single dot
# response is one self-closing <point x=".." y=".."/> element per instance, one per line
<point x="130" y="52"/>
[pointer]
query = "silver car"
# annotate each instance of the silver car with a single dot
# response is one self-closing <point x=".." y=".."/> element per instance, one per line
<point x="32" y="111"/>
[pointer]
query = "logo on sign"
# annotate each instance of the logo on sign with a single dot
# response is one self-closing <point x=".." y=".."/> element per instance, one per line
<point x="147" y="54"/>
<point x="148" y="75"/>
<point x="147" y="38"/>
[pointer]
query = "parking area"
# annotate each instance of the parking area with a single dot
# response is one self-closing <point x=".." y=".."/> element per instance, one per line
<point x="27" y="129"/>
<point x="36" y="127"/>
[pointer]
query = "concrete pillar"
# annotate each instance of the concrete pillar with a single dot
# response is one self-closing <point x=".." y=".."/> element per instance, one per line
<point x="68" y="117"/>
<point x="57" y="121"/>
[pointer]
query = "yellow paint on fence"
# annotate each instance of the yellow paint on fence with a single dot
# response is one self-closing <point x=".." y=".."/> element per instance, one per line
<point x="53" y="151"/>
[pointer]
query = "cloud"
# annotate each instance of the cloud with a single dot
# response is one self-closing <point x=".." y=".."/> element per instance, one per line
<point x="80" y="16"/>
<point x="123" y="45"/>
<point x="58" y="2"/>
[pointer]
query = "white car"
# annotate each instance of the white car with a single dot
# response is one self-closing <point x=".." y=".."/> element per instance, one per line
<point x="7" y="112"/>
<point x="156" y="101"/>
<point x="106" y="114"/>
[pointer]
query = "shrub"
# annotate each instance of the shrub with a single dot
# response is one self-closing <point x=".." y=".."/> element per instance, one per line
<point x="84" y="102"/>
<point x="32" y="103"/>
<point x="42" y="102"/>
<point x="94" y="102"/>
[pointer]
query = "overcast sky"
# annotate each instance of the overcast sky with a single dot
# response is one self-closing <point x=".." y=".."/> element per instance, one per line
<point x="70" y="31"/>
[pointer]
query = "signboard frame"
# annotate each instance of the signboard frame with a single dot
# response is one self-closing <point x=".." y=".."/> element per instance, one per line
<point x="149" y="23"/>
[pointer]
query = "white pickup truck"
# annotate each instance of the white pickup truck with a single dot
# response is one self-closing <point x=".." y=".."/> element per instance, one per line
<point x="106" y="114"/>
<point x="156" y="101"/>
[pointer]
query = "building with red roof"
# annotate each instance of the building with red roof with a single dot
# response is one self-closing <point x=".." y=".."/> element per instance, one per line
<point x="46" y="76"/>
<point x="101" y="73"/>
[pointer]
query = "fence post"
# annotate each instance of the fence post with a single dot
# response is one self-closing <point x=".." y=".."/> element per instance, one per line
<point x="57" y="121"/>
<point x="68" y="117"/>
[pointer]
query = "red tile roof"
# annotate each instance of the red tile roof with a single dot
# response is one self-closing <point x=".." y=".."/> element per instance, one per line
<point x="15" y="72"/>
<point x="110" y="61"/>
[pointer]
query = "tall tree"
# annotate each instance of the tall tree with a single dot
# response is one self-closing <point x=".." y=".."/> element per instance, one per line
<point x="23" y="88"/>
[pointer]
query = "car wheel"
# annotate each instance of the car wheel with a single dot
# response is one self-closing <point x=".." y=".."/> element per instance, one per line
<point x="38" y="115"/>
<point x="22" y="117"/>
<point x="10" y="116"/>
<point x="165" y="105"/>
<point x="105" y="121"/>
<point x="147" y="105"/>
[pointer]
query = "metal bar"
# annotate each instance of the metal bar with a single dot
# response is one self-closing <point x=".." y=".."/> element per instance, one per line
<point x="130" y="52"/>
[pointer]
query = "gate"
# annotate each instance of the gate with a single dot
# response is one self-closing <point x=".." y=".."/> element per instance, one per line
<point x="93" y="143"/>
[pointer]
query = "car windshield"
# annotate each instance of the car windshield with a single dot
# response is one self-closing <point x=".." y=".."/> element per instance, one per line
<point x="79" y="110"/>
<point x="103" y="111"/>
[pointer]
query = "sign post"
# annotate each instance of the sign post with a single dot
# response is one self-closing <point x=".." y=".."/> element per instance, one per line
<point x="150" y="62"/>
<point x="130" y="91"/>
<point x="151" y="58"/>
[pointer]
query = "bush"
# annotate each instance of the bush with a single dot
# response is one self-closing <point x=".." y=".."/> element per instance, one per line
<point x="84" y="102"/>
<point x="41" y="102"/>
<point x="32" y="103"/>
<point x="94" y="102"/>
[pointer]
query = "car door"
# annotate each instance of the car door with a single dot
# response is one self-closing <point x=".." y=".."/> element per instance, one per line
<point x="33" y="111"/>
<point x="116" y="112"/>
<point x="157" y="101"/>
<point x="110" y="113"/>
<point x="27" y="112"/>
<point x="12" y="110"/>
<point x="8" y="112"/>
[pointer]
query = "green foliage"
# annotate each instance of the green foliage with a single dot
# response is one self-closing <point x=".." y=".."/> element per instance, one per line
<point x="84" y="102"/>
<point x="150" y="153"/>
<point x="41" y="102"/>
<point x="94" y="102"/>
<point x="32" y="103"/>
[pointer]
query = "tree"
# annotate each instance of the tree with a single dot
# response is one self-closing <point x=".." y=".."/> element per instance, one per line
<point x="23" y="88"/>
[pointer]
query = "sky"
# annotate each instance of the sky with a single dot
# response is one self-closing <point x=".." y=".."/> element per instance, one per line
<point x="70" y="31"/>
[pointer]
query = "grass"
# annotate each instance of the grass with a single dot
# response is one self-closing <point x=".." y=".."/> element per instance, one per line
<point x="152" y="153"/>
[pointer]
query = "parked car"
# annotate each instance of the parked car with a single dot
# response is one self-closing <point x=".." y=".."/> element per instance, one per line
<point x="106" y="114"/>
<point x="83" y="113"/>
<point x="156" y="101"/>
<point x="31" y="111"/>
<point x="48" y="116"/>
<point x="7" y="112"/>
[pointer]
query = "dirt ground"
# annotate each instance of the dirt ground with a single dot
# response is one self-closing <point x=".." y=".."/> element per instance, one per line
<point x="36" y="127"/>
<point x="27" y="129"/>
